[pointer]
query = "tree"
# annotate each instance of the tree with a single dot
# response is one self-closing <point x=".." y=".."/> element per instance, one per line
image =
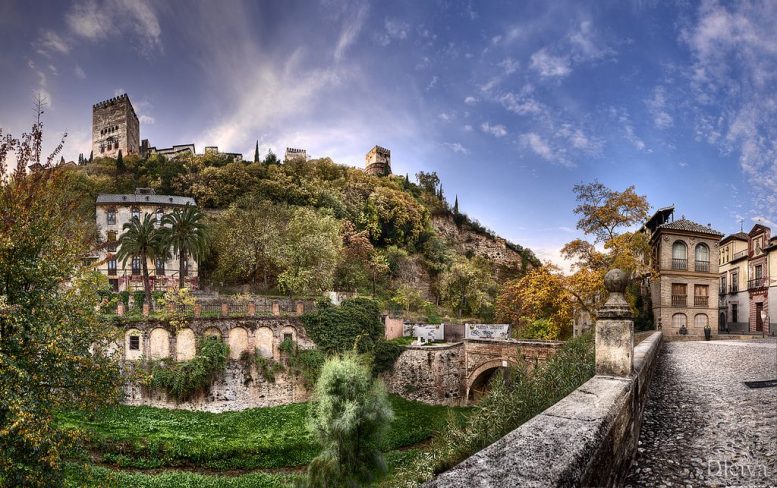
<point x="603" y="210"/>
<point x="468" y="287"/>
<point x="142" y="240"/>
<point x="120" y="167"/>
<point x="271" y="158"/>
<point x="308" y="252"/>
<point x="50" y="338"/>
<point x="355" y="257"/>
<point x="428" y="181"/>
<point x="456" y="206"/>
<point x="353" y="326"/>
<point x="350" y="414"/>
<point x="185" y="233"/>
<point x="91" y="155"/>
<point x="393" y="217"/>
<point x="256" y="152"/>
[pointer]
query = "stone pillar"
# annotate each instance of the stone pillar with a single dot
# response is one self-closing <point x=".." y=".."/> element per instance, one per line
<point x="276" y="308"/>
<point x="252" y="309"/>
<point x="120" y="309"/>
<point x="225" y="309"/>
<point x="615" y="329"/>
<point x="197" y="309"/>
<point x="146" y="309"/>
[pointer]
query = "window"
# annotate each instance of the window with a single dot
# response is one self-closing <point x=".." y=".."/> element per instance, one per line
<point x="701" y="295"/>
<point x="679" y="255"/>
<point x="723" y="284"/>
<point x="700" y="320"/>
<point x="110" y="216"/>
<point x="116" y="146"/>
<point x="136" y="265"/>
<point x="112" y="267"/>
<point x="135" y="213"/>
<point x="134" y="343"/>
<point x="758" y="272"/>
<point x="112" y="242"/>
<point x="702" y="258"/>
<point x="159" y="214"/>
<point x="288" y="337"/>
<point x="114" y="284"/>
<point x="734" y="282"/>
<point x="160" y="266"/>
<point x="679" y="294"/>
<point x="678" y="320"/>
<point x="734" y="312"/>
<point x="102" y="148"/>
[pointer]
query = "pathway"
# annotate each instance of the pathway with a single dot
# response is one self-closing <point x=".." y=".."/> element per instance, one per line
<point x="702" y="426"/>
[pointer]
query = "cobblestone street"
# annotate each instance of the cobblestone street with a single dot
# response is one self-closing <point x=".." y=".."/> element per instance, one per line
<point x="702" y="426"/>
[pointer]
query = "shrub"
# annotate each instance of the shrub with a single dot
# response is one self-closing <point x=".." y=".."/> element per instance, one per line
<point x="303" y="362"/>
<point x="349" y="417"/>
<point x="385" y="354"/>
<point x="184" y="380"/>
<point x="355" y="324"/>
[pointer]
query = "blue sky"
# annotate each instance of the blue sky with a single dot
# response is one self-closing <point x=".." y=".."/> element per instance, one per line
<point x="511" y="103"/>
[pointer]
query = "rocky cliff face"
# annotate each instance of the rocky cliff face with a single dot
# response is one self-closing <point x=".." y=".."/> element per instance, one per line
<point x="471" y="243"/>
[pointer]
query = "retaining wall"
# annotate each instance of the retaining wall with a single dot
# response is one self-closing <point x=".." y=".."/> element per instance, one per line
<point x="586" y="439"/>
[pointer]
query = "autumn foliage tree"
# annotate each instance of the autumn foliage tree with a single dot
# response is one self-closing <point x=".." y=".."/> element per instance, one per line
<point x="50" y="338"/>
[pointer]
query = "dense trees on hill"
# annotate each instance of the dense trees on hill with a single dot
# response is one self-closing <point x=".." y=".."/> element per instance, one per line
<point x="369" y="234"/>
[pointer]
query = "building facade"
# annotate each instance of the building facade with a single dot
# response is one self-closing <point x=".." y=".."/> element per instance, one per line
<point x="761" y="268"/>
<point x="734" y="298"/>
<point x="294" y="153"/>
<point x="115" y="127"/>
<point x="378" y="161"/>
<point x="112" y="212"/>
<point x="684" y="287"/>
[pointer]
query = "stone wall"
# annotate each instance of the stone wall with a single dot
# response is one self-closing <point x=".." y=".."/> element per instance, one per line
<point x="586" y="439"/>
<point x="237" y="387"/>
<point x="431" y="374"/>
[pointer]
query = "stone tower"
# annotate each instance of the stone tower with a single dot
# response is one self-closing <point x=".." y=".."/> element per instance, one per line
<point x="378" y="161"/>
<point x="294" y="153"/>
<point x="115" y="127"/>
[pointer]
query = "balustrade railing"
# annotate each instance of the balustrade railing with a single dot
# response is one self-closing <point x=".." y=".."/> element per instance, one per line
<point x="679" y="264"/>
<point x="679" y="300"/>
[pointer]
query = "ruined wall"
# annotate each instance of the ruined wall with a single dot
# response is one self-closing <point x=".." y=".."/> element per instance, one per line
<point x="431" y="374"/>
<point x="236" y="388"/>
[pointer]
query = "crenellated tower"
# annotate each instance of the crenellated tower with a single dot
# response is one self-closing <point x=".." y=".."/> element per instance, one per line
<point x="378" y="161"/>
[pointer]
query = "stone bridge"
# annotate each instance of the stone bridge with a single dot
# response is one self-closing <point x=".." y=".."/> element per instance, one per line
<point x="458" y="373"/>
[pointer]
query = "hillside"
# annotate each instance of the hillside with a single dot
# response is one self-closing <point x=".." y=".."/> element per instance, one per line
<point x="307" y="226"/>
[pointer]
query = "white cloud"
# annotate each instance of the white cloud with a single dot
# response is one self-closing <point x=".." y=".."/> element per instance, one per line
<point x="397" y="29"/>
<point x="432" y="83"/>
<point x="352" y="25"/>
<point x="549" y="65"/>
<point x="146" y="119"/>
<point x="471" y="100"/>
<point x="657" y="107"/>
<point x="456" y="147"/>
<point x="496" y="130"/>
<point x="543" y="149"/>
<point x="510" y="65"/>
<point x="79" y="71"/>
<point x="467" y="128"/>
<point x="54" y="70"/>
<point x="764" y="221"/>
<point x="577" y="139"/>
<point x="624" y="121"/>
<point x="522" y="105"/>
<point x="92" y="21"/>
<point x="50" y="42"/>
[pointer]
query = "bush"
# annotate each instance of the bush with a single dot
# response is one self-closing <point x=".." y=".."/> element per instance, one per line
<point x="355" y="324"/>
<point x="303" y="362"/>
<point x="138" y="297"/>
<point x="184" y="380"/>
<point x="385" y="355"/>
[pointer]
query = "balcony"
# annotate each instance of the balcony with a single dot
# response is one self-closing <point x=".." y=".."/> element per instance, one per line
<point x="722" y="290"/>
<point x="701" y="301"/>
<point x="734" y="288"/>
<point x="679" y="300"/>
<point x="761" y="282"/>
<point x="680" y="264"/>
<point x="739" y="254"/>
<point x="702" y="266"/>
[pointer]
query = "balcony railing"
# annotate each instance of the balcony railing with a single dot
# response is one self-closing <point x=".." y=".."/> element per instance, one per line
<point x="679" y="300"/>
<point x="739" y="254"/>
<point x="734" y="287"/>
<point x="702" y="266"/>
<point x="679" y="263"/>
<point x="701" y="301"/>
<point x="722" y="290"/>
<point x="761" y="282"/>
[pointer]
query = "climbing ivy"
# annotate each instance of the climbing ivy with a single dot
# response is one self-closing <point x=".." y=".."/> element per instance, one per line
<point x="353" y="325"/>
<point x="184" y="380"/>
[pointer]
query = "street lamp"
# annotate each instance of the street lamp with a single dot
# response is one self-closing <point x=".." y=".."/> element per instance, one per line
<point x="764" y="320"/>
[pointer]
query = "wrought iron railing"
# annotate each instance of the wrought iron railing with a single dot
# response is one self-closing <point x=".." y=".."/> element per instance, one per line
<point x="680" y="264"/>
<point x="702" y="266"/>
<point x="679" y="300"/>
<point x="701" y="301"/>
<point x="761" y="282"/>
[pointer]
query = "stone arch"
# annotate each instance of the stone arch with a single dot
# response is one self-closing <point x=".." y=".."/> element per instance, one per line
<point x="264" y="341"/>
<point x="483" y="374"/>
<point x="133" y="344"/>
<point x="185" y="344"/>
<point x="212" y="332"/>
<point x="238" y="342"/>
<point x="288" y="329"/>
<point x="159" y="343"/>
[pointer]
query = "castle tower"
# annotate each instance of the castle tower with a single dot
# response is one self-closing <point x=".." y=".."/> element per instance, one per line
<point x="293" y="153"/>
<point x="378" y="161"/>
<point x="115" y="127"/>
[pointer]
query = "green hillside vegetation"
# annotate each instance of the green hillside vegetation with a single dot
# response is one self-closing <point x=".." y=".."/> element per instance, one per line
<point x="303" y="227"/>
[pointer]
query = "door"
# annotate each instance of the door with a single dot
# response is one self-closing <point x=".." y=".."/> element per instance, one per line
<point x="759" y="321"/>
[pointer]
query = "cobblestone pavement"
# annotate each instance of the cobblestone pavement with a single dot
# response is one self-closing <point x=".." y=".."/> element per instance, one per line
<point x="702" y="426"/>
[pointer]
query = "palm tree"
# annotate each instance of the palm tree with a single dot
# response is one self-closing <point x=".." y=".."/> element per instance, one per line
<point x="141" y="239"/>
<point x="185" y="233"/>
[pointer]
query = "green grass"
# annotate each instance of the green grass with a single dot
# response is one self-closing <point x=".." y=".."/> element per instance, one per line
<point x="261" y="438"/>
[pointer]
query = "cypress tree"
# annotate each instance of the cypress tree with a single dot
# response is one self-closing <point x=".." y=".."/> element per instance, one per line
<point x="256" y="152"/>
<point x="456" y="206"/>
<point x="91" y="153"/>
<point x="120" y="162"/>
<point x="62" y="160"/>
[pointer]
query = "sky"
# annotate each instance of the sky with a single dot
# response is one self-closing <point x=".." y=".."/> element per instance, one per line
<point x="511" y="103"/>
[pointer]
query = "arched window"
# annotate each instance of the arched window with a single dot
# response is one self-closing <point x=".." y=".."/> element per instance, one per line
<point x="679" y="255"/>
<point x="136" y="265"/>
<point x="702" y="258"/>
<point x="679" y="320"/>
<point x="135" y="212"/>
<point x="159" y="214"/>
<point x="112" y="242"/>
<point x="700" y="320"/>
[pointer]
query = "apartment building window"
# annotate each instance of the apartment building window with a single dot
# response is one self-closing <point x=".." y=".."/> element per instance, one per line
<point x="679" y="255"/>
<point x="136" y="265"/>
<point x="734" y="282"/>
<point x="110" y="216"/>
<point x="135" y="213"/>
<point x="112" y="241"/>
<point x="734" y="312"/>
<point x="700" y="320"/>
<point x="679" y="320"/>
<point x="701" y="295"/>
<point x="114" y="284"/>
<point x="134" y="343"/>
<point x="160" y="266"/>
<point x="723" y="284"/>
<point x="159" y="215"/>
<point x="759" y="272"/>
<point x="112" y="267"/>
<point x="702" y="258"/>
<point x="679" y="294"/>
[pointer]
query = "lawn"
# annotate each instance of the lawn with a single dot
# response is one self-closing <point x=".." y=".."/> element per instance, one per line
<point x="143" y="438"/>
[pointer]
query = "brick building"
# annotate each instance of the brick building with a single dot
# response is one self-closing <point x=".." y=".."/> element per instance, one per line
<point x="112" y="212"/>
<point x="684" y="288"/>
<point x="734" y="301"/>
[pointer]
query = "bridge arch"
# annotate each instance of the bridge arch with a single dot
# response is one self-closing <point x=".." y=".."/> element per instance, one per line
<point x="480" y="376"/>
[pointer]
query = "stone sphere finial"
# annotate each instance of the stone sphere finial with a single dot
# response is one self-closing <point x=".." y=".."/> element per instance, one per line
<point x="615" y="281"/>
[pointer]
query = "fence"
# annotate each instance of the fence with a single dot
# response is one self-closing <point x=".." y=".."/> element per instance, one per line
<point x="260" y="306"/>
